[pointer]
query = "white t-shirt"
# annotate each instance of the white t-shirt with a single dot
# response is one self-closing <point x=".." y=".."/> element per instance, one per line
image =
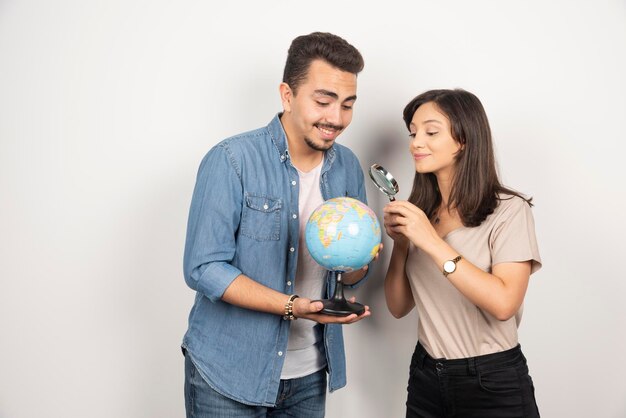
<point x="305" y="349"/>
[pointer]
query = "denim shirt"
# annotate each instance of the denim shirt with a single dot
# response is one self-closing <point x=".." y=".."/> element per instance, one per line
<point x="244" y="219"/>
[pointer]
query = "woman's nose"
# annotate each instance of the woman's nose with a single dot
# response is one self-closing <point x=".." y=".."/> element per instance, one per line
<point x="417" y="142"/>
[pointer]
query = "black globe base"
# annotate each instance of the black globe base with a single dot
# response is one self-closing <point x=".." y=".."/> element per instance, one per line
<point x="341" y="307"/>
<point x="338" y="305"/>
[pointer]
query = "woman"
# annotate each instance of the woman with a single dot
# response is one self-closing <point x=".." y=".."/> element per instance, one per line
<point x="464" y="249"/>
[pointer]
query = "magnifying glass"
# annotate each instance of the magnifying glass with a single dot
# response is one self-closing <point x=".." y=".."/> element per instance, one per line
<point x="384" y="181"/>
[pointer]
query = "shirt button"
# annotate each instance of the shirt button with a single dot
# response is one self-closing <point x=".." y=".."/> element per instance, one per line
<point x="280" y="353"/>
<point x="293" y="182"/>
<point x="289" y="283"/>
<point x="282" y="158"/>
<point x="292" y="249"/>
<point x="265" y="207"/>
<point x="294" y="216"/>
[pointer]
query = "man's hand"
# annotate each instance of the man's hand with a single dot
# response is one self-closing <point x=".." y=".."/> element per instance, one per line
<point x="306" y="309"/>
<point x="356" y="275"/>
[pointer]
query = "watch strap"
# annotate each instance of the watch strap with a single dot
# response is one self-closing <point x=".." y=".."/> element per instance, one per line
<point x="454" y="260"/>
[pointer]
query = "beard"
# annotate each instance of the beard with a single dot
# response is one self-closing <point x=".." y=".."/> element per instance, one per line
<point x="326" y="145"/>
<point x="319" y="147"/>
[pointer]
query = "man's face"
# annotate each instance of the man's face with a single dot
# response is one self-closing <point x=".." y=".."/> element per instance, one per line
<point x="322" y="107"/>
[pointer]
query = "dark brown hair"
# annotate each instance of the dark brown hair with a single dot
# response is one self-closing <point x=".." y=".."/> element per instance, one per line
<point x="475" y="186"/>
<point x="318" y="45"/>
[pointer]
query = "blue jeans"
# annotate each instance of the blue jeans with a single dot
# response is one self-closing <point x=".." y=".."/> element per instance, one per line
<point x="301" y="397"/>
<point x="490" y="386"/>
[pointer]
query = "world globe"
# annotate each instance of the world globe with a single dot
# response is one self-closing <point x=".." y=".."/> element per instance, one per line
<point x="343" y="234"/>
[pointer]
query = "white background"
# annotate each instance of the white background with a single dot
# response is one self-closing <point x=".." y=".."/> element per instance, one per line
<point x="106" y="109"/>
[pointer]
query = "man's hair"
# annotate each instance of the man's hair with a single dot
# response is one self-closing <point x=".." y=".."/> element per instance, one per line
<point x="331" y="48"/>
<point x="475" y="186"/>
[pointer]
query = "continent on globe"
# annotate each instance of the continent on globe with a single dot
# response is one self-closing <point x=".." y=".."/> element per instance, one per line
<point x="343" y="234"/>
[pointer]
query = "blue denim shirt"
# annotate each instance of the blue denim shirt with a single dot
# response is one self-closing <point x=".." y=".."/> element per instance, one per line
<point x="242" y="221"/>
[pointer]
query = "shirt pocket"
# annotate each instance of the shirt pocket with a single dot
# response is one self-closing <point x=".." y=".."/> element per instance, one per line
<point x="261" y="217"/>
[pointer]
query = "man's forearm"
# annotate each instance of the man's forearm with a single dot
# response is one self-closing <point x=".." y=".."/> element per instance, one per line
<point x="247" y="293"/>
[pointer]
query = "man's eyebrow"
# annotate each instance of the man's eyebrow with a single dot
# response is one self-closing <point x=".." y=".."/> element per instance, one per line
<point x="326" y="93"/>
<point x="333" y="95"/>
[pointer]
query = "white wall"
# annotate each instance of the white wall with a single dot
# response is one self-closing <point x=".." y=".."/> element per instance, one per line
<point x="106" y="109"/>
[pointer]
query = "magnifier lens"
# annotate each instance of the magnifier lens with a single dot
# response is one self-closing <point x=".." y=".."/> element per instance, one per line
<point x="384" y="180"/>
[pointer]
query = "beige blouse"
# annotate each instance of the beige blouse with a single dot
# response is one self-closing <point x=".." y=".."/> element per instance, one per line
<point x="449" y="325"/>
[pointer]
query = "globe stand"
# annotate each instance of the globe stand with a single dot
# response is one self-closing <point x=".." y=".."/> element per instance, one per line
<point x="338" y="305"/>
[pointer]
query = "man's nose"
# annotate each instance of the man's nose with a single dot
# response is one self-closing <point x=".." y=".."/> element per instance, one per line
<point x="334" y="116"/>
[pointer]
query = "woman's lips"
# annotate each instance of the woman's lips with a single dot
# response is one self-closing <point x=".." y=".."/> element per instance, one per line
<point x="418" y="157"/>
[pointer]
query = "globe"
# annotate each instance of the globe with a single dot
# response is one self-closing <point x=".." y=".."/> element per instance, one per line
<point x="342" y="234"/>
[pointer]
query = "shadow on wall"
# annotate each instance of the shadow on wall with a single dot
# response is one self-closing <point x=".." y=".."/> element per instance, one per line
<point x="155" y="297"/>
<point x="382" y="150"/>
<point x="388" y="149"/>
<point x="379" y="348"/>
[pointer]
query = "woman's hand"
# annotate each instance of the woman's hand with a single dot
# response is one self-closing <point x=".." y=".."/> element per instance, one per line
<point x="406" y="222"/>
<point x="391" y="227"/>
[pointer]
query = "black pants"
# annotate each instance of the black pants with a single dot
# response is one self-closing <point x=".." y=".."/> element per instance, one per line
<point x="494" y="385"/>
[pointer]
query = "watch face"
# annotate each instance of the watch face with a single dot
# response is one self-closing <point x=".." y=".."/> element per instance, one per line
<point x="449" y="266"/>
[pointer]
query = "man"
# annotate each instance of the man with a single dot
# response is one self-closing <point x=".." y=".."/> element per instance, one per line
<point x="245" y="256"/>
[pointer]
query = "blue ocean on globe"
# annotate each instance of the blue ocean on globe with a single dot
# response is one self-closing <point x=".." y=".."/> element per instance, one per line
<point x="343" y="234"/>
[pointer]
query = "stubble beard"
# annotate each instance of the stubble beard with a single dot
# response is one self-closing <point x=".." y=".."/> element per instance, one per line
<point x="317" y="147"/>
<point x="326" y="145"/>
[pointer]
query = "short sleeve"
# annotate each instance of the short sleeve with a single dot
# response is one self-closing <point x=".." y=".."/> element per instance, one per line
<point x="513" y="238"/>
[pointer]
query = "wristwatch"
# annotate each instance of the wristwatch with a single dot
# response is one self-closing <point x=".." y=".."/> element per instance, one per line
<point x="450" y="266"/>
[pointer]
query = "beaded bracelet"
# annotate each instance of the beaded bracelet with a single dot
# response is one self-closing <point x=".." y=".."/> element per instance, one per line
<point x="289" y="308"/>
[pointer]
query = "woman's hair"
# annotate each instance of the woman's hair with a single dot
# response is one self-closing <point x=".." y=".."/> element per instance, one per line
<point x="333" y="49"/>
<point x="475" y="185"/>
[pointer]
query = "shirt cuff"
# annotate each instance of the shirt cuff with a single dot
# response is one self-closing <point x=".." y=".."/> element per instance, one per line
<point x="216" y="279"/>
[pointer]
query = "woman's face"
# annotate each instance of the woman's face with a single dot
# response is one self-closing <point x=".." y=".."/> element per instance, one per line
<point x="432" y="146"/>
